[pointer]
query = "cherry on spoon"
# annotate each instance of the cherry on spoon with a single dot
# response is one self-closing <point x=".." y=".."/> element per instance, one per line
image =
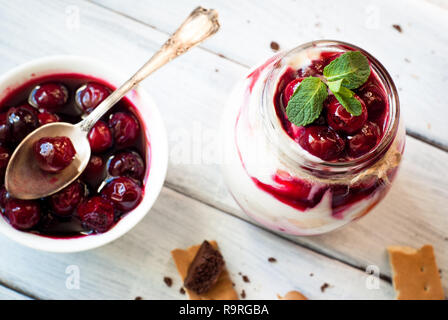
<point x="24" y="179"/>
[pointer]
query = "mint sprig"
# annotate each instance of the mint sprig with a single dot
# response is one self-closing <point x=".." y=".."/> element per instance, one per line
<point x="307" y="101"/>
<point x="352" y="68"/>
<point x="349" y="71"/>
<point x="349" y="102"/>
<point x="335" y="86"/>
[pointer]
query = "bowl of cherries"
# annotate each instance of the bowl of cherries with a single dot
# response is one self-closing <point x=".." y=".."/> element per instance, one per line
<point x="126" y="169"/>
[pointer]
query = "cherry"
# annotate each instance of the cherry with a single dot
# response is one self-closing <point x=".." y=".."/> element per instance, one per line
<point x="363" y="141"/>
<point x="100" y="137"/>
<point x="94" y="167"/>
<point x="124" y="192"/>
<point x="22" y="214"/>
<point x="125" y="129"/>
<point x="91" y="95"/>
<point x="4" y="129"/>
<point x="4" y="159"/>
<point x="296" y="131"/>
<point x="341" y="120"/>
<point x="94" y="172"/>
<point x="4" y="196"/>
<point x="54" y="153"/>
<point x="375" y="101"/>
<point x="343" y="196"/>
<point x="46" y="117"/>
<point x="49" y="96"/>
<point x="21" y="120"/>
<point x="129" y="164"/>
<point x="65" y="201"/>
<point x="317" y="65"/>
<point x="97" y="214"/>
<point x="322" y="142"/>
<point x="289" y="90"/>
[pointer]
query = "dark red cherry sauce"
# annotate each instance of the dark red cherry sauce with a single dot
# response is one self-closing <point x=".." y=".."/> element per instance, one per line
<point x="113" y="182"/>
<point x="335" y="136"/>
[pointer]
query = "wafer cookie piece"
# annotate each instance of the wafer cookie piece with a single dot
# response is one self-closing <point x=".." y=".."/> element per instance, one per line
<point x="415" y="274"/>
<point x="292" y="295"/>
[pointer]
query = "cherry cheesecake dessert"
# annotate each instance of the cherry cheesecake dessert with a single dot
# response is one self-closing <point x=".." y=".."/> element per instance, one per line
<point x="112" y="184"/>
<point x="313" y="138"/>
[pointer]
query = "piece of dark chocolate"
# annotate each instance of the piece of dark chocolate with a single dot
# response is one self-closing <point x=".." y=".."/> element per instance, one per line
<point x="204" y="271"/>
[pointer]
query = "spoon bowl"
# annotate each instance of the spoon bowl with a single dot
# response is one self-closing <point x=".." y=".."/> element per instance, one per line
<point x="38" y="183"/>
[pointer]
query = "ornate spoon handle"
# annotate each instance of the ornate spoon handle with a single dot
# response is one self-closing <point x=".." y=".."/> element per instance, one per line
<point x="200" y="25"/>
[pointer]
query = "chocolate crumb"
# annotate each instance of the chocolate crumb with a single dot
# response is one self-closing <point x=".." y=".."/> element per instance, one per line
<point x="446" y="238"/>
<point x="397" y="27"/>
<point x="275" y="46"/>
<point x="168" y="281"/>
<point x="311" y="274"/>
<point x="182" y="290"/>
<point x="272" y="259"/>
<point x="239" y="273"/>
<point x="216" y="70"/>
<point x="233" y="284"/>
<point x="138" y="298"/>
<point x="243" y="294"/>
<point x="246" y="278"/>
<point x="407" y="60"/>
<point x="324" y="287"/>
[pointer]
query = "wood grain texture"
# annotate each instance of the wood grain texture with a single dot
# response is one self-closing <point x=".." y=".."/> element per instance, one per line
<point x="415" y="57"/>
<point x="440" y="3"/>
<point x="123" y="269"/>
<point x="9" y="294"/>
<point x="414" y="213"/>
<point x="191" y="93"/>
<point x="136" y="264"/>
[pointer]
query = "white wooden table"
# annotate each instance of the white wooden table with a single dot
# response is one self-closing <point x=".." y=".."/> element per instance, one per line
<point x="191" y="93"/>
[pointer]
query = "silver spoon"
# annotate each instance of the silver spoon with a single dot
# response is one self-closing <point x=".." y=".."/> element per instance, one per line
<point x="25" y="180"/>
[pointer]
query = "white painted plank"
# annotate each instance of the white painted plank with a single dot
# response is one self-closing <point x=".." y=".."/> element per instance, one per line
<point x="196" y="96"/>
<point x="8" y="294"/>
<point x="413" y="214"/>
<point x="441" y="3"/>
<point x="136" y="264"/>
<point x="416" y="58"/>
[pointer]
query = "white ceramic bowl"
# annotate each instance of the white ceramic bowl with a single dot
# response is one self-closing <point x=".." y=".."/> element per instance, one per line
<point x="155" y="134"/>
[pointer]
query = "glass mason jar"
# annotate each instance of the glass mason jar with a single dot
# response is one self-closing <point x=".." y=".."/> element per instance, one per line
<point x="282" y="186"/>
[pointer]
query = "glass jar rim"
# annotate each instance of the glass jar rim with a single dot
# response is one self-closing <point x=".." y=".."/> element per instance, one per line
<point x="290" y="147"/>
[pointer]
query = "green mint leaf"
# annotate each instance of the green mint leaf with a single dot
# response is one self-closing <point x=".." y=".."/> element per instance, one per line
<point x="351" y="67"/>
<point x="307" y="101"/>
<point x="335" y="86"/>
<point x="346" y="98"/>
